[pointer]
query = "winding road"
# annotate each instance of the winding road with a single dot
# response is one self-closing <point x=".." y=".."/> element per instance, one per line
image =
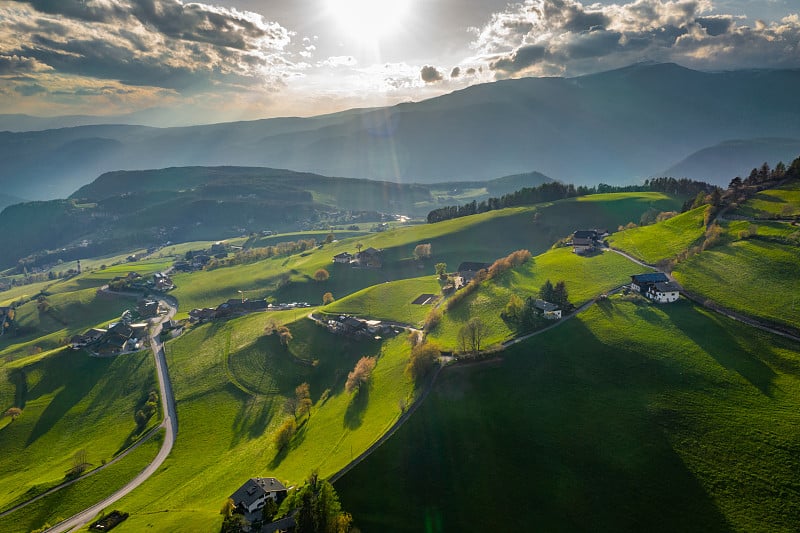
<point x="170" y="424"/>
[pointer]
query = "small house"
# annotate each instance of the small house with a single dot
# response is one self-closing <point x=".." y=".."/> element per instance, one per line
<point x="344" y="258"/>
<point x="469" y="269"/>
<point x="371" y="257"/>
<point x="656" y="286"/>
<point x="147" y="308"/>
<point x="94" y="334"/>
<point x="664" y="292"/>
<point x="641" y="282"/>
<point x="78" y="341"/>
<point x="584" y="241"/>
<point x="549" y="310"/>
<point x="252" y="496"/>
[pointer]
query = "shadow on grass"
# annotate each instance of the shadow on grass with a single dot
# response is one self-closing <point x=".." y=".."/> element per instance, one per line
<point x="354" y="415"/>
<point x="583" y="449"/>
<point x="74" y="382"/>
<point x="253" y="417"/>
<point x="718" y="342"/>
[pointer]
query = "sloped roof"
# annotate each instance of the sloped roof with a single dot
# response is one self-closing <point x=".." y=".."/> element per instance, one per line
<point x="669" y="286"/>
<point x="651" y="277"/>
<point x="585" y="234"/>
<point x="472" y="266"/>
<point x="255" y="488"/>
<point x="544" y="305"/>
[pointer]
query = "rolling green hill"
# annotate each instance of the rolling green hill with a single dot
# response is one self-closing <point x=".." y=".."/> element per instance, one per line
<point x="230" y="384"/>
<point x="662" y="240"/>
<point x="70" y="402"/>
<point x="772" y="203"/>
<point x="483" y="237"/>
<point x="629" y="418"/>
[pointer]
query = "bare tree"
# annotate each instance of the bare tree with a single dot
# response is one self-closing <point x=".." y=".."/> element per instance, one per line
<point x="285" y="335"/>
<point x="471" y="335"/>
<point x="13" y="413"/>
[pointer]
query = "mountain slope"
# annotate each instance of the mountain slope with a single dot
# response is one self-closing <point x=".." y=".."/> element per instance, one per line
<point x="615" y="127"/>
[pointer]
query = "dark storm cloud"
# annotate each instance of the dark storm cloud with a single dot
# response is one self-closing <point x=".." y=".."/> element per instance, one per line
<point x="456" y="72"/>
<point x="430" y="74"/>
<point x="716" y="25"/>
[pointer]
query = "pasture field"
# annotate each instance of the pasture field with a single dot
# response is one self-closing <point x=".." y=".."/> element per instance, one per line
<point x="483" y="237"/>
<point x="389" y="301"/>
<point x="86" y="492"/>
<point x="231" y="382"/>
<point x="68" y="313"/>
<point x="70" y="402"/>
<point x="780" y="202"/>
<point x="663" y="240"/>
<point x="755" y="277"/>
<point x="585" y="276"/>
<point x="628" y="418"/>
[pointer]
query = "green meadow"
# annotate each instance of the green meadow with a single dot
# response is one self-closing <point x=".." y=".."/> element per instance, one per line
<point x="230" y="383"/>
<point x="483" y="237"/>
<point x="780" y="202"/>
<point x="390" y="301"/>
<point x="663" y="240"/>
<point x="752" y="276"/>
<point x="68" y="313"/>
<point x="73" y="499"/>
<point x="629" y="418"/>
<point x="586" y="277"/>
<point x="70" y="402"/>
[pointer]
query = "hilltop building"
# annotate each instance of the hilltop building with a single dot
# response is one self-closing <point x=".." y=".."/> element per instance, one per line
<point x="469" y="269"/>
<point x="656" y="286"/>
<point x="251" y="497"/>
<point x="549" y="310"/>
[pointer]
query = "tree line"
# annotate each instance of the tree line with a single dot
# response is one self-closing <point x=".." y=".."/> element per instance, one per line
<point x="549" y="192"/>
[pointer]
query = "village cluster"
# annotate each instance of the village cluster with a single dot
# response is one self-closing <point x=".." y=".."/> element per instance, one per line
<point x="128" y="334"/>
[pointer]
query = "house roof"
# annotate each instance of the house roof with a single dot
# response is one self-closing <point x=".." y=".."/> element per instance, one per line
<point x="652" y="277"/>
<point x="372" y="251"/>
<point x="255" y="488"/>
<point x="544" y="305"/>
<point x="585" y="234"/>
<point x="343" y="255"/>
<point x="669" y="286"/>
<point x="581" y="241"/>
<point x="353" y="322"/>
<point x="472" y="266"/>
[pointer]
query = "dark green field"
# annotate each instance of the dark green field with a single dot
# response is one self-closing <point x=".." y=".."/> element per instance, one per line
<point x="629" y="418"/>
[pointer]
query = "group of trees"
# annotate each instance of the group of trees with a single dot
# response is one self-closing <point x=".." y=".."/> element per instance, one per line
<point x="300" y="404"/>
<point x="317" y="508"/>
<point x="150" y="407"/>
<point x="524" y="314"/>
<point x="472" y="335"/>
<point x="423" y="359"/>
<point x="548" y="192"/>
<point x="251" y="255"/>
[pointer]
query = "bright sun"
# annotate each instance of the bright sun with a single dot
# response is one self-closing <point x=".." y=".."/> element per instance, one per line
<point x="369" y="19"/>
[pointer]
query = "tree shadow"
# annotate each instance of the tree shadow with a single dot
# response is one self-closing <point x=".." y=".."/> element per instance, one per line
<point x="354" y="415"/>
<point x="723" y="347"/>
<point x="253" y="417"/>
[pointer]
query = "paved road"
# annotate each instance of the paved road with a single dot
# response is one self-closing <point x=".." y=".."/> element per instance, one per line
<point x="170" y="424"/>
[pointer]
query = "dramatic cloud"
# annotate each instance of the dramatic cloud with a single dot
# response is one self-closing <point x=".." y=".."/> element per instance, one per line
<point x="456" y="72"/>
<point x="430" y="74"/>
<point x="567" y="37"/>
<point x="156" y="43"/>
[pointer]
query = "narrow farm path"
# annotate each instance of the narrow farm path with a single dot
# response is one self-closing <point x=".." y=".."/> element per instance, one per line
<point x="170" y="424"/>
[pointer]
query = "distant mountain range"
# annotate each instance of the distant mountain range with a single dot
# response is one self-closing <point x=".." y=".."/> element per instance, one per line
<point x="615" y="127"/>
<point x="723" y="162"/>
<point x="125" y="209"/>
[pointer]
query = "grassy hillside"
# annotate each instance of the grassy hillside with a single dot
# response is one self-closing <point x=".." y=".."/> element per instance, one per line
<point x="663" y="240"/>
<point x="483" y="237"/>
<point x="781" y="202"/>
<point x="631" y="418"/>
<point x="85" y="493"/>
<point x="755" y="277"/>
<point x="585" y="277"/>
<point x="389" y="301"/>
<point x="230" y="384"/>
<point x="70" y="402"/>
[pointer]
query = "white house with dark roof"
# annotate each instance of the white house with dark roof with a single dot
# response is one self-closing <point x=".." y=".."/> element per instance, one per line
<point x="656" y="286"/>
<point x="549" y="310"/>
<point x="252" y="496"/>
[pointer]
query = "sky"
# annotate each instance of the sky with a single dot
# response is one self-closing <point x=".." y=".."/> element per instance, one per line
<point x="248" y="59"/>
